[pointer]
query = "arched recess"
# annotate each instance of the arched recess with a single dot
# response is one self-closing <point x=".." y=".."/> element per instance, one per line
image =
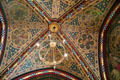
<point x="47" y="74"/>
<point x="104" y="40"/>
<point x="3" y="32"/>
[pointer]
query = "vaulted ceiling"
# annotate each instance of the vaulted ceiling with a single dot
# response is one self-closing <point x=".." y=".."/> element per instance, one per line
<point x="54" y="39"/>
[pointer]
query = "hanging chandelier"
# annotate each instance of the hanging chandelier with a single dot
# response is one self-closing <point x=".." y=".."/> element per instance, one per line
<point x="52" y="52"/>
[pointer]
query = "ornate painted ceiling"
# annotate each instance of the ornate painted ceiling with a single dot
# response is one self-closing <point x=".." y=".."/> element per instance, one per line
<point x="55" y="39"/>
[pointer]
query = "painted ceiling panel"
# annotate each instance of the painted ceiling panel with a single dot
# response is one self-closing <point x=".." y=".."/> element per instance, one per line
<point x="82" y="30"/>
<point x="23" y="26"/>
<point x="56" y="8"/>
<point x="80" y="34"/>
<point x="31" y="60"/>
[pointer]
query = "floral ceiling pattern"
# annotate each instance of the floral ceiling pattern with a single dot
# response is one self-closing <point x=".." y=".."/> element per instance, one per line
<point x="32" y="28"/>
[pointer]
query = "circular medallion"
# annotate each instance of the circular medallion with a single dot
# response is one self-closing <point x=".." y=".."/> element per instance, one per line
<point x="54" y="27"/>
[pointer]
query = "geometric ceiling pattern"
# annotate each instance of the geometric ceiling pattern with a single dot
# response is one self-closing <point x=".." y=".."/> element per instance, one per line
<point x="28" y="26"/>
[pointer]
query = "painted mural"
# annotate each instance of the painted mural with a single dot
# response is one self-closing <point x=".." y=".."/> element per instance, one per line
<point x="113" y="49"/>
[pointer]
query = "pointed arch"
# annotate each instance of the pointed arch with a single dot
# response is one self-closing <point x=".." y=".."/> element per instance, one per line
<point x="3" y="32"/>
<point x="102" y="39"/>
<point x="48" y="71"/>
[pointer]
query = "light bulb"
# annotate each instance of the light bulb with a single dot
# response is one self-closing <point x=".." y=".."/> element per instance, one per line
<point x="54" y="67"/>
<point x="49" y="35"/>
<point x="63" y="40"/>
<point x="65" y="55"/>
<point x="37" y="44"/>
<point x="54" y="62"/>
